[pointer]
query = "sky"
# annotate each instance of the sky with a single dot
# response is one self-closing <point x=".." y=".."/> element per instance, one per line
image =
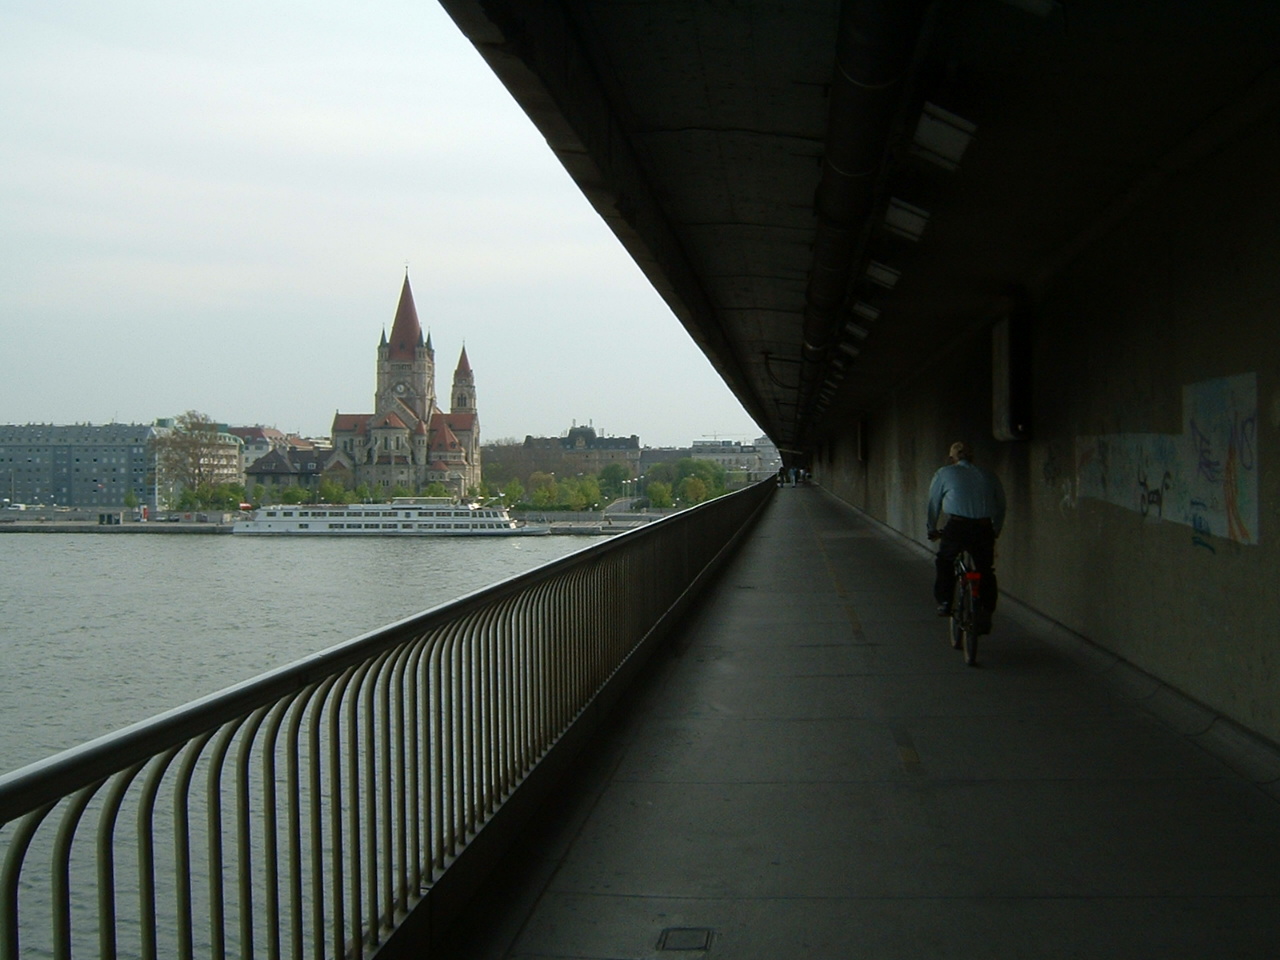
<point x="211" y="207"/>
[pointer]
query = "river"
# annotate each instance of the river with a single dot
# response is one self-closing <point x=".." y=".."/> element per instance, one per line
<point x="98" y="631"/>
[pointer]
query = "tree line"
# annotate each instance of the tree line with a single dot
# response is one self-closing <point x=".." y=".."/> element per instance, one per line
<point x="189" y="456"/>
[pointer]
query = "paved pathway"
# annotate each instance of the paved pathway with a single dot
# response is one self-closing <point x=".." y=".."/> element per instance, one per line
<point x="812" y="772"/>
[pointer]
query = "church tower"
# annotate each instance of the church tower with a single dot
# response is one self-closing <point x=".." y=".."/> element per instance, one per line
<point x="464" y="387"/>
<point x="464" y="418"/>
<point x="406" y="364"/>
<point x="408" y="442"/>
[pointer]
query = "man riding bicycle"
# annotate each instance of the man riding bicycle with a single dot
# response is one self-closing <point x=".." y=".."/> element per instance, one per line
<point x="973" y="500"/>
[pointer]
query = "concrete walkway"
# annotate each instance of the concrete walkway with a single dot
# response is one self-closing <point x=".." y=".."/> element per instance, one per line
<point x="811" y="771"/>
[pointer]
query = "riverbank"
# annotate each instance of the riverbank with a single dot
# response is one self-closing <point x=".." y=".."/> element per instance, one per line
<point x="564" y="528"/>
<point x="74" y="526"/>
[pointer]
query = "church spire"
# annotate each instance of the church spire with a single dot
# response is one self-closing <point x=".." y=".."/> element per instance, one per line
<point x="464" y="386"/>
<point x="406" y="332"/>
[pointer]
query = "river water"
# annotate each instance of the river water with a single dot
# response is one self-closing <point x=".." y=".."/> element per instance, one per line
<point x="98" y="631"/>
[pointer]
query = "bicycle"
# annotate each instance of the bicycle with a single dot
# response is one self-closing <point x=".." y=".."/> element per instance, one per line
<point x="969" y="615"/>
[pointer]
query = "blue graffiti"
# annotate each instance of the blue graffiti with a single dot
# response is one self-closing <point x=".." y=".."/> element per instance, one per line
<point x="1153" y="496"/>
<point x="1201" y="526"/>
<point x="1244" y="434"/>
<point x="1206" y="466"/>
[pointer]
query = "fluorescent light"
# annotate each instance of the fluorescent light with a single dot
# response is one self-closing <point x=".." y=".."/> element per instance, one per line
<point x="850" y="349"/>
<point x="905" y="220"/>
<point x="865" y="310"/>
<point x="854" y="330"/>
<point x="883" y="274"/>
<point x="941" y="137"/>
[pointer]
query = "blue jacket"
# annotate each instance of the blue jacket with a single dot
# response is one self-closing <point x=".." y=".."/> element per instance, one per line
<point x="963" y="489"/>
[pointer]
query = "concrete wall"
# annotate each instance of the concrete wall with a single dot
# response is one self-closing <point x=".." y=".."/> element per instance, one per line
<point x="1143" y="511"/>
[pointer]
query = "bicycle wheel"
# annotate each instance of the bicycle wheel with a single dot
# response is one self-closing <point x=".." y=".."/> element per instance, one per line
<point x="955" y="626"/>
<point x="970" y="628"/>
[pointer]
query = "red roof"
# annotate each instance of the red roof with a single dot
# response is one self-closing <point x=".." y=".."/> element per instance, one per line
<point x="463" y="365"/>
<point x="256" y="433"/>
<point x="442" y="438"/>
<point x="350" y="422"/>
<point x="461" y="421"/>
<point x="391" y="419"/>
<point x="406" y="332"/>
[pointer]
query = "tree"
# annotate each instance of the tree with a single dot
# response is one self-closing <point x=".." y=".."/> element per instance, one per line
<point x="294" y="494"/>
<point x="663" y="473"/>
<point x="436" y="489"/>
<point x="191" y="454"/>
<point x="708" y="471"/>
<point x="693" y="490"/>
<point x="590" y="488"/>
<point x="571" y="494"/>
<point x="546" y="495"/>
<point x="612" y="477"/>
<point x="659" y="493"/>
<point x="209" y="496"/>
<point x="513" y="492"/>
<point x="331" y="491"/>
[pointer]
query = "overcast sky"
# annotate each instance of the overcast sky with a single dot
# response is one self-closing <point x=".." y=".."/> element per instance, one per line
<point x="210" y="207"/>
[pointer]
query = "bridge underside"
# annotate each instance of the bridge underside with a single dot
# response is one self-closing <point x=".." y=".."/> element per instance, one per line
<point x="1047" y="227"/>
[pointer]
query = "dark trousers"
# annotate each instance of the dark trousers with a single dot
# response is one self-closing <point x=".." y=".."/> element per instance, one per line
<point x="979" y="538"/>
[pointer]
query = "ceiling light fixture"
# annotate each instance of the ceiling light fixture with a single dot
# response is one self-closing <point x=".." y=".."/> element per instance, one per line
<point x="855" y="330"/>
<point x="865" y="310"/>
<point x="883" y="274"/>
<point x="905" y="220"/>
<point x="941" y="137"/>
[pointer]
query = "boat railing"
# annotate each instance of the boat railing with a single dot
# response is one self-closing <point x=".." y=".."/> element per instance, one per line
<point x="313" y="810"/>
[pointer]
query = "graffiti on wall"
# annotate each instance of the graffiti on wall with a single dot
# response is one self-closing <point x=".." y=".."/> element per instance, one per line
<point x="1205" y="477"/>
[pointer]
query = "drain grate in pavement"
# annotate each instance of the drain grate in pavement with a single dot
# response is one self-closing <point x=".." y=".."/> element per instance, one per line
<point x="685" y="938"/>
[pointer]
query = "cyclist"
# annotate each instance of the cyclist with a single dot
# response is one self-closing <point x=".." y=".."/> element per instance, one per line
<point x="973" y="500"/>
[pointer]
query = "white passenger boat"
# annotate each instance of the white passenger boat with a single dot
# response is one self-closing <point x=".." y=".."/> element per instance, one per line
<point x="402" y="517"/>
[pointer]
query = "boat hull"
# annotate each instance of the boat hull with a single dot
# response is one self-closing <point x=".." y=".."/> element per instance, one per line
<point x="249" y="528"/>
<point x="403" y="517"/>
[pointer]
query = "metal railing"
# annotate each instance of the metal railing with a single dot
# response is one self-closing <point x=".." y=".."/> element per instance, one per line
<point x="304" y="813"/>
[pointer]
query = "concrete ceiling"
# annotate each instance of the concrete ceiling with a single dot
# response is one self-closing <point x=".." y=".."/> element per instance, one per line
<point x="762" y="161"/>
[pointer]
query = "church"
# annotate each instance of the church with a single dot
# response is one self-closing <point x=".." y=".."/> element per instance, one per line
<point x="408" y="441"/>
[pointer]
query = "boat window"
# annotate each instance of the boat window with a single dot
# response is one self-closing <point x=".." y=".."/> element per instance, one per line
<point x="407" y="526"/>
<point x="303" y="526"/>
